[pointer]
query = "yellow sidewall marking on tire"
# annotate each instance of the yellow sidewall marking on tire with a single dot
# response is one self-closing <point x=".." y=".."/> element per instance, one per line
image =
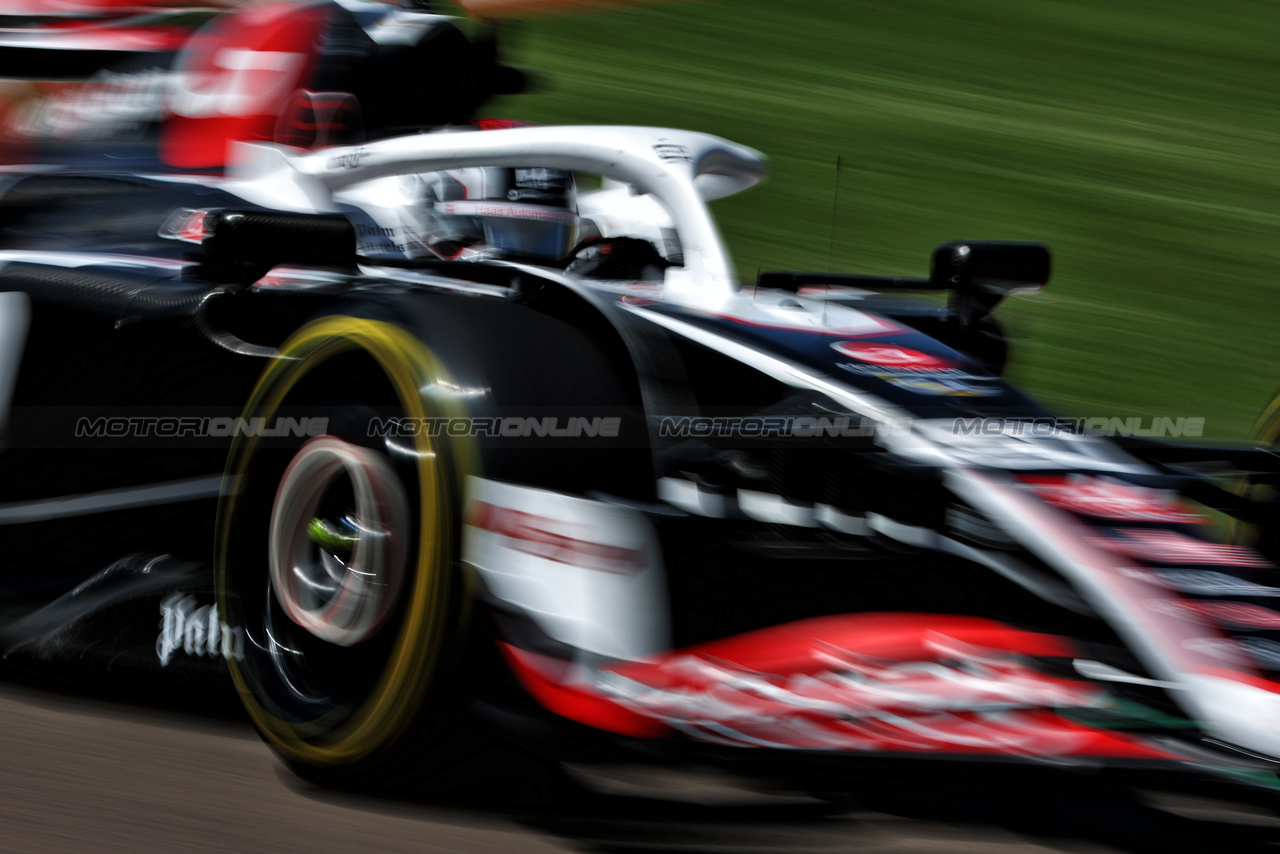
<point x="398" y="695"/>
<point x="1266" y="431"/>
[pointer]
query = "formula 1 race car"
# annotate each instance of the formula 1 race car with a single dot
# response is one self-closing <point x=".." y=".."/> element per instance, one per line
<point x="415" y="441"/>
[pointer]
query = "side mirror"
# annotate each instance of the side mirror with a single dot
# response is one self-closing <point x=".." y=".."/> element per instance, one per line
<point x="239" y="247"/>
<point x="980" y="273"/>
<point x="990" y="266"/>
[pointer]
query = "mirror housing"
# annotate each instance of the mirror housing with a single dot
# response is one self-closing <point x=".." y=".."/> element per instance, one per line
<point x="990" y="266"/>
<point x="240" y="246"/>
<point x="980" y="273"/>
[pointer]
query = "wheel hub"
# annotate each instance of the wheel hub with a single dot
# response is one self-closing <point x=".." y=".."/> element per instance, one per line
<point x="339" y="581"/>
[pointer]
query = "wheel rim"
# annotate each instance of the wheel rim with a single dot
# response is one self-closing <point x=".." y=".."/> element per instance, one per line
<point x="339" y="586"/>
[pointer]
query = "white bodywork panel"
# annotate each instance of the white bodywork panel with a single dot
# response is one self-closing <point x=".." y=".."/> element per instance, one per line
<point x="588" y="573"/>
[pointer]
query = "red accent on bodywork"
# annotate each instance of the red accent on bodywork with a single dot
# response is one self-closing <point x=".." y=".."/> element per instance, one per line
<point x="1231" y="614"/>
<point x="1100" y="497"/>
<point x="79" y="7"/>
<point x="193" y="228"/>
<point x="871" y="682"/>
<point x="546" y="679"/>
<point x="501" y="124"/>
<point x="790" y="648"/>
<point x="318" y="118"/>
<point x="1175" y="547"/>
<point x="535" y="535"/>
<point x="893" y="356"/>
<point x="236" y="77"/>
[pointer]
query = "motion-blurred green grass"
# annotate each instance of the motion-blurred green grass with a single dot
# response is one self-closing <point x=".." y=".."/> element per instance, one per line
<point x="1140" y="140"/>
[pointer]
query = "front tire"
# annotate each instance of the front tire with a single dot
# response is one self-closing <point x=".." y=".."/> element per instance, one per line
<point x="398" y="708"/>
<point x="345" y="650"/>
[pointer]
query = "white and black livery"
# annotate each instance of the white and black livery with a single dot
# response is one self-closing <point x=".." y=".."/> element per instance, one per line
<point x="607" y="500"/>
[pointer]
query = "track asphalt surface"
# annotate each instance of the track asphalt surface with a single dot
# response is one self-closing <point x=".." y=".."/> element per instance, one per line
<point x="87" y="774"/>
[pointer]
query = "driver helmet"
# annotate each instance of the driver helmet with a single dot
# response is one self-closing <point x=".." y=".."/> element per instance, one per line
<point x="524" y="213"/>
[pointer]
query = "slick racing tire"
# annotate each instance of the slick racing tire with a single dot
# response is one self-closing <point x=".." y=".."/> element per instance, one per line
<point x="336" y="552"/>
<point x="339" y="575"/>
